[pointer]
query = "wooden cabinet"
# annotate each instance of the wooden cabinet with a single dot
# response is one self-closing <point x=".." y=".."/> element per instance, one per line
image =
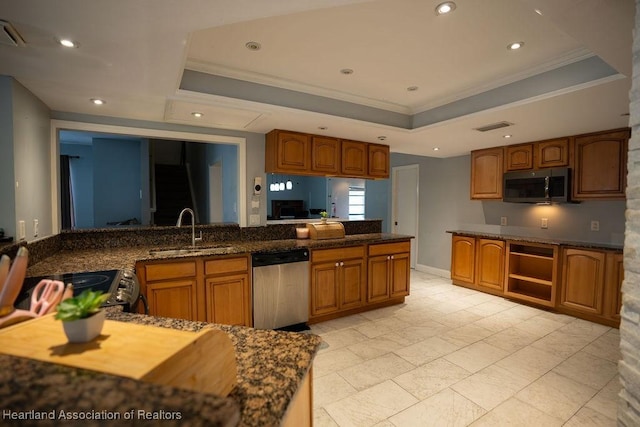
<point x="338" y="280"/>
<point x="463" y="259"/>
<point x="486" y="173"/>
<point x="490" y="264"/>
<point x="378" y="165"/>
<point x="214" y="289"/>
<point x="388" y="271"/>
<point x="591" y="284"/>
<point x="551" y="154"/>
<point x="600" y="165"/>
<point x="354" y="158"/>
<point x="325" y="155"/>
<point x="518" y="157"/>
<point x="478" y="263"/>
<point x="532" y="272"/>
<point x="287" y="152"/>
<point x="227" y="291"/>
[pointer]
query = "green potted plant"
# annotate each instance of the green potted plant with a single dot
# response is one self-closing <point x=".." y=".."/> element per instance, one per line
<point x="324" y="216"/>
<point x="82" y="318"/>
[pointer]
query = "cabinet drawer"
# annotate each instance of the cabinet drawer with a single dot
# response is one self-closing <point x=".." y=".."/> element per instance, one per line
<point x="226" y="265"/>
<point x="322" y="255"/>
<point x="173" y="270"/>
<point x="389" y="248"/>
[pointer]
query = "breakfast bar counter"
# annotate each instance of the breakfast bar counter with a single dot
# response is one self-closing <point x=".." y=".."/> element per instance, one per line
<point x="271" y="367"/>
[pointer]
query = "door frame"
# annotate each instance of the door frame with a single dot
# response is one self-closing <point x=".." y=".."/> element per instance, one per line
<point x="394" y="206"/>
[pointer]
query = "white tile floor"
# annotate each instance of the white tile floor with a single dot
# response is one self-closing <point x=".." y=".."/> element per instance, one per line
<point x="451" y="356"/>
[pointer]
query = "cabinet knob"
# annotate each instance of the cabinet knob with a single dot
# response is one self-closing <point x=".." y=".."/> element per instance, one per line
<point x="337" y="264"/>
<point x="391" y="256"/>
<point x="341" y="264"/>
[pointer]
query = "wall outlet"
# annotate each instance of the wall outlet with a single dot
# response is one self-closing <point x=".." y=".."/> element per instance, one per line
<point x="503" y="220"/>
<point x="35" y="228"/>
<point x="544" y="223"/>
<point x="595" y="225"/>
<point x="22" y="232"/>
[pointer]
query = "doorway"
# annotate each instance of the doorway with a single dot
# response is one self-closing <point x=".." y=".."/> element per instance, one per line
<point x="405" y="193"/>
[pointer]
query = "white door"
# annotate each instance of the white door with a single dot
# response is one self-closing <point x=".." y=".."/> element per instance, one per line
<point x="405" y="205"/>
<point x="215" y="193"/>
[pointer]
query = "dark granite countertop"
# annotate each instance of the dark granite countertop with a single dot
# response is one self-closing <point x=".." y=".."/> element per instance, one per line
<point x="75" y="260"/>
<point x="547" y="241"/>
<point x="271" y="366"/>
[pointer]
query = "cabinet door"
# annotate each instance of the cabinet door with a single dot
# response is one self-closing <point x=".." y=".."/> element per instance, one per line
<point x="324" y="288"/>
<point x="600" y="166"/>
<point x="490" y="263"/>
<point x="378" y="161"/>
<point x="400" y="270"/>
<point x="378" y="273"/>
<point x="354" y="158"/>
<point x="463" y="259"/>
<point x="613" y="287"/>
<point x="551" y="154"/>
<point x="287" y="152"/>
<point x="227" y="300"/>
<point x="583" y="280"/>
<point x="486" y="173"/>
<point x="325" y="155"/>
<point x="176" y="299"/>
<point x="352" y="287"/>
<point x="519" y="157"/>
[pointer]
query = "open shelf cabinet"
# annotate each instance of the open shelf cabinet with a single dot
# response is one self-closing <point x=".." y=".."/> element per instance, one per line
<point x="531" y="272"/>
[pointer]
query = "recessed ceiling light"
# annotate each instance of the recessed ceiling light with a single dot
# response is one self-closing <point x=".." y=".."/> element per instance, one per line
<point x="98" y="101"/>
<point x="67" y="43"/>
<point x="412" y="88"/>
<point x="436" y="148"/>
<point x="323" y="127"/>
<point x="446" y="7"/>
<point x="507" y="136"/>
<point x="515" y="45"/>
<point x="346" y="71"/>
<point x="197" y="114"/>
<point x="253" y="46"/>
<point x="538" y="11"/>
<point x="382" y="138"/>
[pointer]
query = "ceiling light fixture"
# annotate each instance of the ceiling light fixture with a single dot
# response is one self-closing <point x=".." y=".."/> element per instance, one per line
<point x="346" y="71"/>
<point x="538" y="11"/>
<point x="515" y="45"/>
<point x="253" y="45"/>
<point x="197" y="114"/>
<point x="68" y="43"/>
<point x="507" y="136"/>
<point x="444" y="8"/>
<point x="412" y="88"/>
<point x="323" y="127"/>
<point x="382" y="138"/>
<point x="436" y="148"/>
<point x="98" y="101"/>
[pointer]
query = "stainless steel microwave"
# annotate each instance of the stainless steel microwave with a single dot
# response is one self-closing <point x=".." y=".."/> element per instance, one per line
<point x="539" y="186"/>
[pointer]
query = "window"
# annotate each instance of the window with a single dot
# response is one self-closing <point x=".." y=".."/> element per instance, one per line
<point x="356" y="202"/>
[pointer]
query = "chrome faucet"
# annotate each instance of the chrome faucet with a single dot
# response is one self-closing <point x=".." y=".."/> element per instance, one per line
<point x="194" y="239"/>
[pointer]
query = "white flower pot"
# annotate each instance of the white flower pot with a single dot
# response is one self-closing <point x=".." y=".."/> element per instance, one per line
<point x="84" y="330"/>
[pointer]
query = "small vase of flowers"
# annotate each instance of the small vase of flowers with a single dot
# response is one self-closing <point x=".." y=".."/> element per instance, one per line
<point x="323" y="216"/>
<point x="82" y="316"/>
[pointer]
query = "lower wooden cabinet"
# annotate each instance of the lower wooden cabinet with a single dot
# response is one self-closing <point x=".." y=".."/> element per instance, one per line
<point x="338" y="279"/>
<point x="490" y="264"/>
<point x="591" y="284"/>
<point x="216" y="289"/>
<point x="532" y="272"/>
<point x="478" y="263"/>
<point x="388" y="271"/>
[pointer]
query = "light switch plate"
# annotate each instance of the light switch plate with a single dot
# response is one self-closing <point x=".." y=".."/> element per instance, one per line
<point x="503" y="220"/>
<point x="22" y="231"/>
<point x="254" y="219"/>
<point x="595" y="225"/>
<point x="544" y="223"/>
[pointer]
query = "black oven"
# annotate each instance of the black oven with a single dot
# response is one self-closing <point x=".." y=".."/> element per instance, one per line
<point x="123" y="286"/>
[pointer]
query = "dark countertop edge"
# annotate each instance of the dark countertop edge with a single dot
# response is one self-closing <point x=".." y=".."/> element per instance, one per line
<point x="558" y="242"/>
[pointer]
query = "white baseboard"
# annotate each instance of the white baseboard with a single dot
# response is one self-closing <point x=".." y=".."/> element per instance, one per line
<point x="435" y="271"/>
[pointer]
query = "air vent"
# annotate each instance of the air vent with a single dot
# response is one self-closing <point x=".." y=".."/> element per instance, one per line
<point x="9" y="35"/>
<point x="494" y="126"/>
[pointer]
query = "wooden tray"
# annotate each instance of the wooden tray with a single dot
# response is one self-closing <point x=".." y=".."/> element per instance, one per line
<point x="327" y="230"/>
<point x="200" y="361"/>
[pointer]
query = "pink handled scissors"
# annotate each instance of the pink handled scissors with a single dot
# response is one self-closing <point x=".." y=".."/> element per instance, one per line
<point x="46" y="296"/>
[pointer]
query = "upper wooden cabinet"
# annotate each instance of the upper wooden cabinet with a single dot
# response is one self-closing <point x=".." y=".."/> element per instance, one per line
<point x="600" y="165"/>
<point x="486" y="173"/>
<point x="354" y="158"/>
<point x="519" y="157"/>
<point x="305" y="154"/>
<point x="378" y="160"/>
<point x="551" y="154"/>
<point x="325" y="155"/>
<point x="287" y="152"/>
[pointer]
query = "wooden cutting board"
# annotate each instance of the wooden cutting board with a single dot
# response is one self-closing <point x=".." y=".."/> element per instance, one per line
<point x="200" y="361"/>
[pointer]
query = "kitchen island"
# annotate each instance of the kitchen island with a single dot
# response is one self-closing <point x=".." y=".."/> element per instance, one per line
<point x="271" y="365"/>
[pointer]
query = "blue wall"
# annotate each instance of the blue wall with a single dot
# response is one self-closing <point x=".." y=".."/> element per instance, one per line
<point x="227" y="155"/>
<point x="81" y="181"/>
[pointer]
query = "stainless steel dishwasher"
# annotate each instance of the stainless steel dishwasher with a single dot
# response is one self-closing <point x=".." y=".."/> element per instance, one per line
<point x="281" y="289"/>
